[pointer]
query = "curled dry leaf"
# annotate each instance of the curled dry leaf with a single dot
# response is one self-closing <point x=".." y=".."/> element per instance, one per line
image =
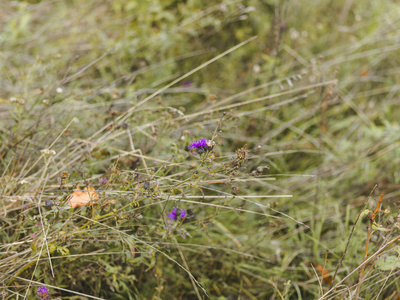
<point x="82" y="198"/>
<point x="325" y="274"/>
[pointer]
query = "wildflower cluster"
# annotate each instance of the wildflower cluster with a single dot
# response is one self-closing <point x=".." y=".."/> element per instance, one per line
<point x="201" y="144"/>
<point x="177" y="213"/>
<point x="43" y="293"/>
<point x="103" y="180"/>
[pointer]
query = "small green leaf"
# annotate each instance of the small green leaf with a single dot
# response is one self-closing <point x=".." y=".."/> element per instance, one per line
<point x="388" y="263"/>
<point x="34" y="246"/>
<point x="379" y="227"/>
<point x="63" y="250"/>
<point x="365" y="212"/>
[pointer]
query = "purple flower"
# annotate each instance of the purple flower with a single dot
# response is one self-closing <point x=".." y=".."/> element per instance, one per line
<point x="173" y="215"/>
<point x="43" y="293"/>
<point x="103" y="180"/>
<point x="187" y="83"/>
<point x="200" y="144"/>
<point x="183" y="214"/>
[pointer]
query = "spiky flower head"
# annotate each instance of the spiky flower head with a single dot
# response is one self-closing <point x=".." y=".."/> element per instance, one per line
<point x="43" y="293"/>
<point x="200" y="144"/>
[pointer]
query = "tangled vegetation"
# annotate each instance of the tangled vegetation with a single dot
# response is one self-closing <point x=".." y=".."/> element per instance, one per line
<point x="199" y="149"/>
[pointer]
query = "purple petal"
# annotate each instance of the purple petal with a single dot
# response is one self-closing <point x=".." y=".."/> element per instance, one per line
<point x="183" y="214"/>
<point x="173" y="214"/>
<point x="201" y="143"/>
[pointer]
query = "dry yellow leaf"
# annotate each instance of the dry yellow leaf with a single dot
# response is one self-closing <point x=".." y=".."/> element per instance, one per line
<point x="82" y="198"/>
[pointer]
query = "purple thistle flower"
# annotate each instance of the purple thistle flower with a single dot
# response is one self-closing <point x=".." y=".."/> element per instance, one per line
<point x="43" y="293"/>
<point x="103" y="180"/>
<point x="200" y="144"/>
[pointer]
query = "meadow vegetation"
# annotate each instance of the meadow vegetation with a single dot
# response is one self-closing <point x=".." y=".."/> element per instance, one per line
<point x="299" y="104"/>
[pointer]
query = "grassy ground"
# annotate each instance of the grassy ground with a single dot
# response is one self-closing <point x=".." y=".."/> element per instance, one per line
<point x="300" y="99"/>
